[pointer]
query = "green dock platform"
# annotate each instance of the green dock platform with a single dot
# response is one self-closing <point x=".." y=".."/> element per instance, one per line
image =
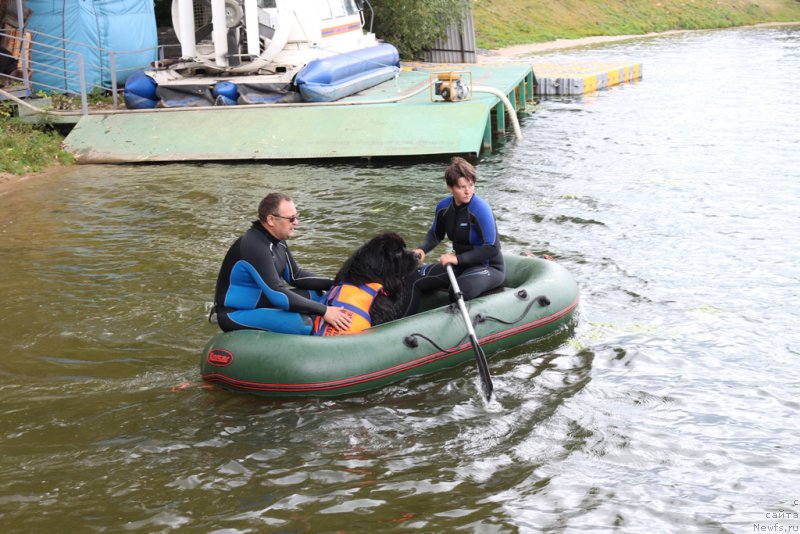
<point x="398" y="118"/>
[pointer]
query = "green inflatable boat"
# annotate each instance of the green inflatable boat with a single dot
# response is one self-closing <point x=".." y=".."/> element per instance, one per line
<point x="538" y="298"/>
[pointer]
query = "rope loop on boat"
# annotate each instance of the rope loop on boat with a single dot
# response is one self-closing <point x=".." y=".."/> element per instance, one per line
<point x="411" y="341"/>
<point x="542" y="300"/>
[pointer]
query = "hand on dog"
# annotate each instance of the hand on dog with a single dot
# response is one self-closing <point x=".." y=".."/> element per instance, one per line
<point x="337" y="317"/>
<point x="419" y="254"/>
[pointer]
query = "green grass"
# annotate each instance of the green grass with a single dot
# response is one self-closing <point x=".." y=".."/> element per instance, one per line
<point x="500" y="23"/>
<point x="25" y="148"/>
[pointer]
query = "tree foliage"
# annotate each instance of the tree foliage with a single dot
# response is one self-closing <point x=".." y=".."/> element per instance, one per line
<point x="414" y="25"/>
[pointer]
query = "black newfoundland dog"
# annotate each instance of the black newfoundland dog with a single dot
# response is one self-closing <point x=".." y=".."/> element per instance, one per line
<point x="386" y="260"/>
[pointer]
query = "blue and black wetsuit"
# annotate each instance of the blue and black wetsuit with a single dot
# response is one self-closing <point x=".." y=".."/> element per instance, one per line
<point x="252" y="292"/>
<point x="473" y="230"/>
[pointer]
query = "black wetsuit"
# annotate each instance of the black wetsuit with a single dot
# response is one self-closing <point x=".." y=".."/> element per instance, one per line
<point x="252" y="292"/>
<point x="473" y="231"/>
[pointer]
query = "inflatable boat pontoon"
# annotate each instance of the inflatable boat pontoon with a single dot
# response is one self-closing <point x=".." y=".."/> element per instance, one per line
<point x="539" y="297"/>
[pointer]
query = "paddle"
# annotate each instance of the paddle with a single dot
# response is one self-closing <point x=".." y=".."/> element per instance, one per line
<point x="480" y="357"/>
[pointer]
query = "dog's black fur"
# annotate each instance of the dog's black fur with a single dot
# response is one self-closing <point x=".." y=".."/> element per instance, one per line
<point x="386" y="260"/>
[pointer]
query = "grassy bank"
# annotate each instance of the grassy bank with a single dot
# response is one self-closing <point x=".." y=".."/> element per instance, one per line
<point x="26" y="149"/>
<point x="501" y="23"/>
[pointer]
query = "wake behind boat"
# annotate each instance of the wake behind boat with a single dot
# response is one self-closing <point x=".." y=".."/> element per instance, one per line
<point x="539" y="297"/>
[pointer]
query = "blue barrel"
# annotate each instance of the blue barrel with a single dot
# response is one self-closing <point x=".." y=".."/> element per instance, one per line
<point x="225" y="94"/>
<point x="140" y="91"/>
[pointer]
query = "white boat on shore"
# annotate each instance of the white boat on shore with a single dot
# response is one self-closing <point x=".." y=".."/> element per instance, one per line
<point x="236" y="52"/>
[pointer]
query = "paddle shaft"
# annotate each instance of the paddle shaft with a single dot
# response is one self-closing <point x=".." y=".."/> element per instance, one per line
<point x="480" y="357"/>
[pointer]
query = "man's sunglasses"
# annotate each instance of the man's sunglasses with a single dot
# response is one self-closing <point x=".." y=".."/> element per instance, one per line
<point x="291" y="219"/>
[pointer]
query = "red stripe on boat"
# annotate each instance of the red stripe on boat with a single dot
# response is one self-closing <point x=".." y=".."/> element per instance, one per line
<point x="344" y="28"/>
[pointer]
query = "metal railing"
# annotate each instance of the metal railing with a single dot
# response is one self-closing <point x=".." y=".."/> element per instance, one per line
<point x="60" y="63"/>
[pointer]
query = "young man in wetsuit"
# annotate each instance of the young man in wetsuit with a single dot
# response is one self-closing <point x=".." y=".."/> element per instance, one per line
<point x="468" y="221"/>
<point x="252" y="291"/>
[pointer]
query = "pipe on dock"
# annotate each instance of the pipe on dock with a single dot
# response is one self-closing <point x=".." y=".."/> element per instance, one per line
<point x="251" y="20"/>
<point x="506" y="102"/>
<point x="219" y="32"/>
<point x="186" y="28"/>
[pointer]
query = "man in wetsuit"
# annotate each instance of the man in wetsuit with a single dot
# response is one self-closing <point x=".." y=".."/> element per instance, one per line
<point x="470" y="224"/>
<point x="252" y="291"/>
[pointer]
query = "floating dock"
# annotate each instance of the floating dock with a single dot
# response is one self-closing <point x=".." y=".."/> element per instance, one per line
<point x="398" y="118"/>
<point x="559" y="79"/>
<point x="395" y="118"/>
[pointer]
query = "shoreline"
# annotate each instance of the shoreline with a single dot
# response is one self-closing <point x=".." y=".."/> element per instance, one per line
<point x="514" y="51"/>
<point x="8" y="180"/>
<point x="561" y="44"/>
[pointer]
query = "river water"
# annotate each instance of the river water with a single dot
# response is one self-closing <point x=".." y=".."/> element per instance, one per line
<point x="670" y="406"/>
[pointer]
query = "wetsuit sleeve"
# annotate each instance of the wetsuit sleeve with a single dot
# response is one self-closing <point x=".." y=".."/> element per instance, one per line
<point x="265" y="274"/>
<point x="300" y="278"/>
<point x="478" y="255"/>
<point x="483" y="236"/>
<point x="437" y="230"/>
<point x="430" y="241"/>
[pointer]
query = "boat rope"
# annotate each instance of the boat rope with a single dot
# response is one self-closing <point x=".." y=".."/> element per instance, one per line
<point x="335" y="52"/>
<point x="542" y="300"/>
<point x="411" y="341"/>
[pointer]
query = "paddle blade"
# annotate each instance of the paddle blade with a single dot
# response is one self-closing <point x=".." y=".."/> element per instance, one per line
<point x="480" y="357"/>
<point x="483" y="369"/>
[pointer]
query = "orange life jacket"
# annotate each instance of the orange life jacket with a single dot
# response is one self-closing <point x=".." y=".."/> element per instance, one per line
<point x="356" y="300"/>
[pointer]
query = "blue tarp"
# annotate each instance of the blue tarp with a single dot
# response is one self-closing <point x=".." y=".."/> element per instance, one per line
<point x="97" y="30"/>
